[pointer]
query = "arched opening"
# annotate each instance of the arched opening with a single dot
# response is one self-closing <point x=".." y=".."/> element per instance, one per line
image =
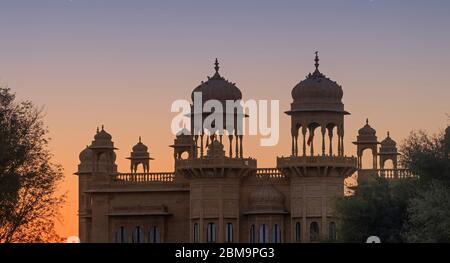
<point x="121" y="236"/>
<point x="367" y="159"/>
<point x="333" y="146"/>
<point x="195" y="233"/>
<point x="138" y="235"/>
<point x="154" y="235"/>
<point x="211" y="233"/>
<point x="276" y="235"/>
<point x="314" y="231"/>
<point x="229" y="233"/>
<point x="263" y="234"/>
<point x="252" y="234"/>
<point x="314" y="140"/>
<point x="184" y="155"/>
<point x="388" y="164"/>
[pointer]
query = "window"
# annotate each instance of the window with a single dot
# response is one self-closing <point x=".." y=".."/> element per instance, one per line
<point x="154" y="235"/>
<point x="252" y="234"/>
<point x="298" y="232"/>
<point x="314" y="231"/>
<point x="263" y="234"/>
<point x="276" y="235"/>
<point x="121" y="236"/>
<point x="195" y="233"/>
<point x="229" y="234"/>
<point x="332" y="231"/>
<point x="138" y="236"/>
<point x="211" y="233"/>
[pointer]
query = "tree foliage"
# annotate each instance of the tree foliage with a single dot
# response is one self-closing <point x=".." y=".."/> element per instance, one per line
<point x="28" y="179"/>
<point x="406" y="210"/>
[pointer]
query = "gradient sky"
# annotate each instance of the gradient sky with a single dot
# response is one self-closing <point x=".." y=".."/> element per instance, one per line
<point x="122" y="63"/>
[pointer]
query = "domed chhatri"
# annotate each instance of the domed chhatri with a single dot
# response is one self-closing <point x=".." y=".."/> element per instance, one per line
<point x="102" y="135"/>
<point x="266" y="198"/>
<point x="140" y="155"/>
<point x="367" y="129"/>
<point x="317" y="92"/>
<point x="140" y="147"/>
<point x="217" y="88"/>
<point x="388" y="142"/>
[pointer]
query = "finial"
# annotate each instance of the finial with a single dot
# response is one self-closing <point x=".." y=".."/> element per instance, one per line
<point x="103" y="127"/>
<point x="317" y="60"/>
<point x="367" y="121"/>
<point x="216" y="66"/>
<point x="97" y="130"/>
<point x="388" y="134"/>
<point x="140" y="139"/>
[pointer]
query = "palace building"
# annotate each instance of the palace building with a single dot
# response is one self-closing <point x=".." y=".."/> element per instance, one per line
<point x="215" y="193"/>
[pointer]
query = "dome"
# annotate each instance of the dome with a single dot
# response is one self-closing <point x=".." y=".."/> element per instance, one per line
<point x="217" y="88"/>
<point x="266" y="198"/>
<point x="388" y="142"/>
<point x="86" y="155"/>
<point x="183" y="132"/>
<point x="103" y="135"/>
<point x="317" y="92"/>
<point x="140" y="147"/>
<point x="367" y="129"/>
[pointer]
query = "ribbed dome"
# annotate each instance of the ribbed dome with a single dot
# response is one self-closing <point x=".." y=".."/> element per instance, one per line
<point x="103" y="135"/>
<point x="86" y="155"/>
<point x="266" y="198"/>
<point x="367" y="129"/>
<point x="140" y="147"/>
<point x="317" y="92"/>
<point x="388" y="142"/>
<point x="217" y="88"/>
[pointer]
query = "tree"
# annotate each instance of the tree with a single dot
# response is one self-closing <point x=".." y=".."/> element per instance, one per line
<point x="377" y="208"/>
<point x="407" y="210"/>
<point x="28" y="179"/>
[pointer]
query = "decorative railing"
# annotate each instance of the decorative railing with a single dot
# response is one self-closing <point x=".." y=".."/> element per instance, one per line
<point x="215" y="162"/>
<point x="395" y="173"/>
<point x="325" y="160"/>
<point x="270" y="173"/>
<point x="143" y="177"/>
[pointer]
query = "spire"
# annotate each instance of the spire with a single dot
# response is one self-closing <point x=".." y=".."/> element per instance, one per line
<point x="367" y="121"/>
<point x="103" y="127"/>
<point x="140" y="139"/>
<point x="216" y="66"/>
<point x="388" y="134"/>
<point x="317" y="60"/>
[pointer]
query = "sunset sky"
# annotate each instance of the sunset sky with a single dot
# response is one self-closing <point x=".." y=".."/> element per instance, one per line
<point x="123" y="63"/>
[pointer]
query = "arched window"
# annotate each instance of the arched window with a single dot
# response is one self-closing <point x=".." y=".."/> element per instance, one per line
<point x="229" y="234"/>
<point x="276" y="235"/>
<point x="298" y="232"/>
<point x="138" y="236"/>
<point x="332" y="231"/>
<point x="263" y="234"/>
<point x="195" y="233"/>
<point x="252" y="234"/>
<point x="314" y="231"/>
<point x="121" y="235"/>
<point x="154" y="235"/>
<point x="211" y="233"/>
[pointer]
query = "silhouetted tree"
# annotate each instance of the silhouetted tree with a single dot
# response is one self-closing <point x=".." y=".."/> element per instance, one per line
<point x="407" y="210"/>
<point x="28" y="179"/>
